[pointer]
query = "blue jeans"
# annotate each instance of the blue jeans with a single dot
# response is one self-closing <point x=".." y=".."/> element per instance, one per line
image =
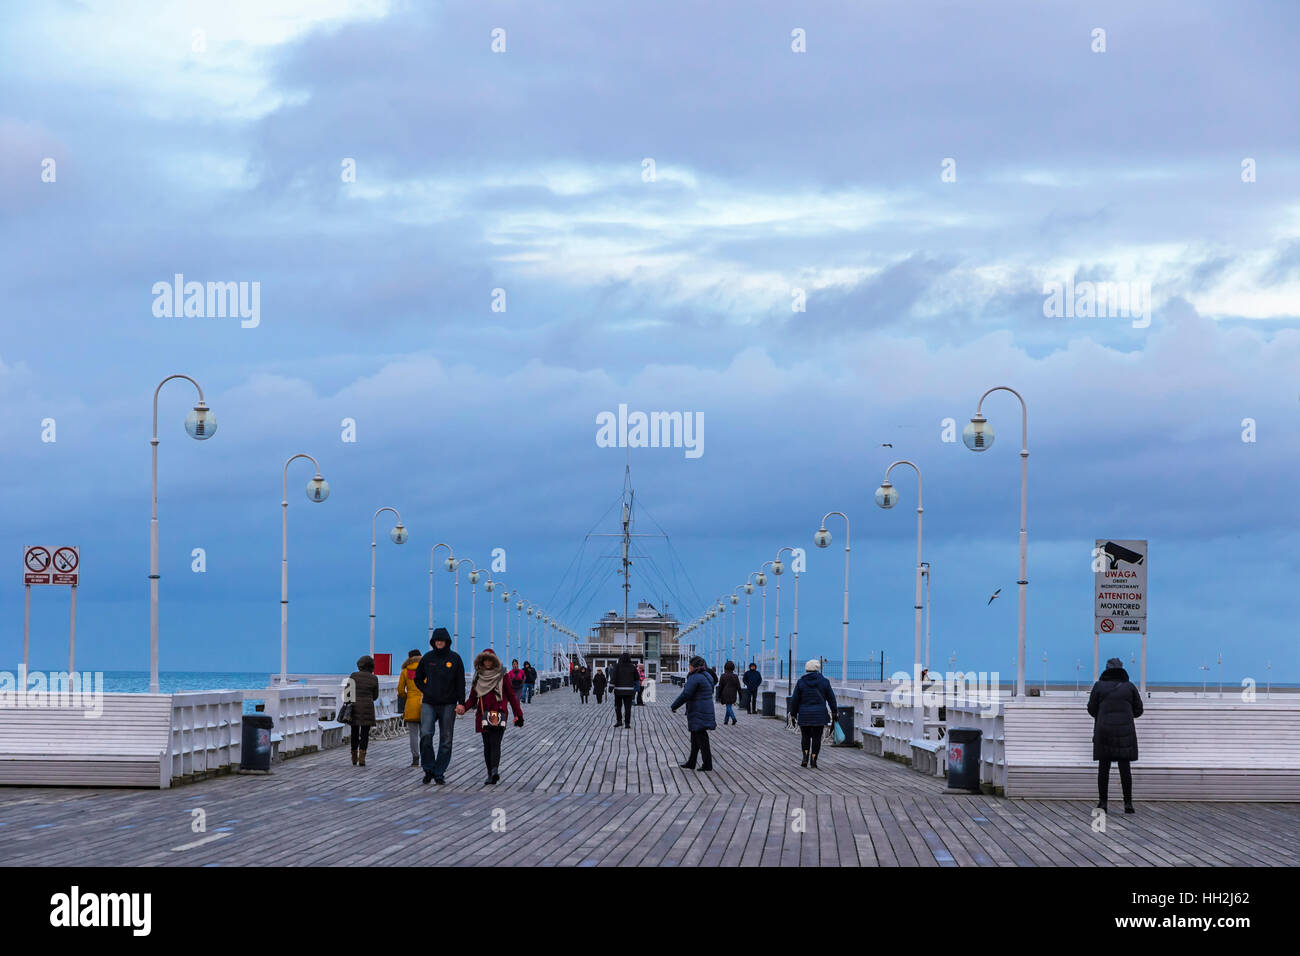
<point x="731" y="714"/>
<point x="528" y="693"/>
<point x="444" y="715"/>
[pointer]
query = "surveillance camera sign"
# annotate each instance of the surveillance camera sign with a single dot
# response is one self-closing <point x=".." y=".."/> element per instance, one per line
<point x="1120" y="586"/>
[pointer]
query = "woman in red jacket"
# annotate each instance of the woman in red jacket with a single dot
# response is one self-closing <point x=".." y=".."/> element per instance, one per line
<point x="490" y="694"/>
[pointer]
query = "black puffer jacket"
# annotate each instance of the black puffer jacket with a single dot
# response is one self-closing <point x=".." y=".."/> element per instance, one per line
<point x="1114" y="705"/>
<point x="625" y="679"/>
<point x="729" y="687"/>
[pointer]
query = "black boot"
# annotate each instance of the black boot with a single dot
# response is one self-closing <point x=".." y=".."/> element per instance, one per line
<point x="1128" y="807"/>
<point x="813" y="764"/>
<point x="493" y="776"/>
<point x="804" y="762"/>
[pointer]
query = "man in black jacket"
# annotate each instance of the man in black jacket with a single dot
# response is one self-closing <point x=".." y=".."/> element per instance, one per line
<point x="1114" y="705"/>
<point x="440" y="677"/>
<point x="753" y="681"/>
<point x="625" y="682"/>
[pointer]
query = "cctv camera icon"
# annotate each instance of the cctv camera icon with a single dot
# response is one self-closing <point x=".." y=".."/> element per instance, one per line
<point x="1118" y="553"/>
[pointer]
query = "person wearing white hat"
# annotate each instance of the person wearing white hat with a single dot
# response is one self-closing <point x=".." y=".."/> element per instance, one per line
<point x="813" y="706"/>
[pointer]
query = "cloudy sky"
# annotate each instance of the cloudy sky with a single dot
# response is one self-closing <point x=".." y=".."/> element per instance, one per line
<point x="655" y="189"/>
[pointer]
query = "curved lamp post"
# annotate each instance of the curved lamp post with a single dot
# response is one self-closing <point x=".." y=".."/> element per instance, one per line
<point x="318" y="489"/>
<point x="201" y="425"/>
<point x="440" y="544"/>
<point x="887" y="497"/>
<point x="749" y="589"/>
<point x="822" y="538"/>
<point x="489" y="587"/>
<point x="453" y="566"/>
<point x="398" y="536"/>
<point x="978" y="436"/>
<point x="778" y="569"/>
<point x="734" y="601"/>
<point x="925" y="570"/>
<point x="474" y="573"/>
<point x="761" y="581"/>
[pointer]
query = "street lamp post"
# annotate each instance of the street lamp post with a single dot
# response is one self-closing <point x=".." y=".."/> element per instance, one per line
<point x="318" y="490"/>
<point x="473" y="603"/>
<point x="887" y="497"/>
<point x="978" y="436"/>
<point x="440" y="544"/>
<point x="489" y="587"/>
<point x="778" y="569"/>
<point x="201" y="424"/>
<point x="734" y="601"/>
<point x="925" y="570"/>
<point x="822" y="539"/>
<point x="453" y="566"/>
<point x="398" y="536"/>
<point x="761" y="581"/>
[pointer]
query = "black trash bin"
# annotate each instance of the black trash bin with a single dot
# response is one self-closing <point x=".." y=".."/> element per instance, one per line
<point x="255" y="746"/>
<point x="964" y="759"/>
<point x="769" y="703"/>
<point x="844" y="717"/>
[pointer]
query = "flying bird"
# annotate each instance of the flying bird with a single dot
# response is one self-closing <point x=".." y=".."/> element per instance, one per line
<point x="995" y="594"/>
<point x="886" y="444"/>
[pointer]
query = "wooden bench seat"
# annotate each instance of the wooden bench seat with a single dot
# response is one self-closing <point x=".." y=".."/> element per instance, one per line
<point x="127" y="745"/>
<point x="1188" y="750"/>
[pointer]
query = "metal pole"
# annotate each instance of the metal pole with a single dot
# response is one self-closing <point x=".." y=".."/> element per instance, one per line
<point x="284" y="565"/>
<point x="72" y="634"/>
<point x="929" y="572"/>
<point x="747" y="656"/>
<point x="27" y="628"/>
<point x="794" y="635"/>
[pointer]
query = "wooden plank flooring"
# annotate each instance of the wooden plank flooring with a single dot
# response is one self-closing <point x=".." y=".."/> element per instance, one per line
<point x="576" y="791"/>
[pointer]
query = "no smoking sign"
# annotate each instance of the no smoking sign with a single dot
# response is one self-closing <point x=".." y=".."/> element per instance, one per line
<point x="43" y="565"/>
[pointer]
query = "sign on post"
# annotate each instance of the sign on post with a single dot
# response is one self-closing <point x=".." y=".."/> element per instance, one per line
<point x="1120" y="586"/>
<point x="53" y="566"/>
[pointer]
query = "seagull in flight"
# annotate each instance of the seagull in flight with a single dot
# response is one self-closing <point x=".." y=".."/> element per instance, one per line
<point x="994" y="597"/>
<point x="886" y="444"/>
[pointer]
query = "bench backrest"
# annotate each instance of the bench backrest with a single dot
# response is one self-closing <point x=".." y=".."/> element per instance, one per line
<point x="129" y="724"/>
<point x="1170" y="733"/>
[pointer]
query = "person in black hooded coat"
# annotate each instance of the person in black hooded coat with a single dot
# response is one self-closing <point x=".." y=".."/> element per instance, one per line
<point x="1114" y="705"/>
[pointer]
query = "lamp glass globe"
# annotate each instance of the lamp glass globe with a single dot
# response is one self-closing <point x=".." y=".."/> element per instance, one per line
<point x="201" y="423"/>
<point x="399" y="534"/>
<point x="318" y="489"/>
<point x="886" y="495"/>
<point x="978" y="434"/>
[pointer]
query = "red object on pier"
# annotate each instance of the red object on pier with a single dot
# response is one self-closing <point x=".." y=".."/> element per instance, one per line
<point x="383" y="665"/>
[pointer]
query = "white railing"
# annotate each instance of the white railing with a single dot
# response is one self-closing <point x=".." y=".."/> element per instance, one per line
<point x="294" y="709"/>
<point x="205" y="734"/>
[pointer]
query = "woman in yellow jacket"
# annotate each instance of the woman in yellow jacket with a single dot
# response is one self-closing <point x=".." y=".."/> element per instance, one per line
<point x="410" y="698"/>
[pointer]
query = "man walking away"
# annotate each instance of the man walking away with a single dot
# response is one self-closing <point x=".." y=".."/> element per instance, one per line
<point x="625" y="683"/>
<point x="697" y="695"/>
<point x="440" y="678"/>
<point x="598" y="684"/>
<point x="1114" y="705"/>
<point x="809" y="704"/>
<point x="753" y="681"/>
<point x="530" y="681"/>
<point x="729" y="691"/>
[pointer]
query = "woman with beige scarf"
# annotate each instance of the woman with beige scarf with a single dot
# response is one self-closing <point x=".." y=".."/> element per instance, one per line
<point x="490" y="695"/>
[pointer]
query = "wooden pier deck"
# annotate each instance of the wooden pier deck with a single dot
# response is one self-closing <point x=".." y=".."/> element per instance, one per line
<point x="576" y="791"/>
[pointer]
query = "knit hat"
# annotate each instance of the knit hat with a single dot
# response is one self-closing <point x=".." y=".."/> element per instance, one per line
<point x="1114" y="664"/>
<point x="813" y="665"/>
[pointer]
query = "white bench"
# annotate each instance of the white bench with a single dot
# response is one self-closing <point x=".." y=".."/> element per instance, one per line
<point x="929" y="756"/>
<point x="127" y="745"/>
<point x="1187" y="750"/>
<point x="333" y="734"/>
<point x="872" y="740"/>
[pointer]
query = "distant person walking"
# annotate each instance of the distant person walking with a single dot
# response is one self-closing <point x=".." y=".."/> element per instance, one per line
<point x="490" y="695"/>
<point x="410" y="699"/>
<point x="598" y="684"/>
<point x="625" y="681"/>
<point x="1114" y="705"/>
<point x="530" y="681"/>
<point x="813" y="706"/>
<point x="697" y="696"/>
<point x="584" y="684"/>
<point x="640" y="683"/>
<point x="753" y="681"/>
<point x="440" y="678"/>
<point x="365" y="691"/>
<point x="729" y="691"/>
<point x="517" y="679"/>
